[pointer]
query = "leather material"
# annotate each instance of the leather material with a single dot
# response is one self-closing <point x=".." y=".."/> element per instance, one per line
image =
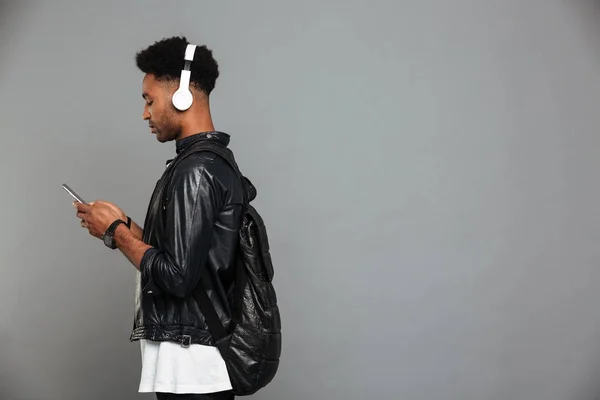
<point x="194" y="230"/>
<point x="253" y="349"/>
<point x="252" y="346"/>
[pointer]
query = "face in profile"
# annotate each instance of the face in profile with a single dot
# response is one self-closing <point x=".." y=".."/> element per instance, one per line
<point x="163" y="119"/>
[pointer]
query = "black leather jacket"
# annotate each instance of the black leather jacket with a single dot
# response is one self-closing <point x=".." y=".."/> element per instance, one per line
<point x="196" y="230"/>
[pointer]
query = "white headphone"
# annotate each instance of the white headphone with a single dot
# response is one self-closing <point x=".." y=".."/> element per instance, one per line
<point x="182" y="98"/>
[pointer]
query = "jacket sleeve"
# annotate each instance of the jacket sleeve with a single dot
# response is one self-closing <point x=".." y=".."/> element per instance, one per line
<point x="175" y="267"/>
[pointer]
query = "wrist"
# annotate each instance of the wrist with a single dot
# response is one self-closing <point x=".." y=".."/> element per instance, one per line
<point x="121" y="233"/>
<point x="109" y="235"/>
<point x="121" y="229"/>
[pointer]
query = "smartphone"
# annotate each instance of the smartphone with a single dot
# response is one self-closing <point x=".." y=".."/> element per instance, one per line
<point x="73" y="194"/>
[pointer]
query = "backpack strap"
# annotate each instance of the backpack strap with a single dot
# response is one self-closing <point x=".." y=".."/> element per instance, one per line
<point x="225" y="153"/>
<point x="215" y="326"/>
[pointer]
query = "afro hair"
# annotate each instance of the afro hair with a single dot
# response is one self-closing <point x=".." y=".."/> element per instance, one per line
<point x="165" y="59"/>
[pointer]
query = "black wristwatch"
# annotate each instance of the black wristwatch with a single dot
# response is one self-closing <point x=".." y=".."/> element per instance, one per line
<point x="109" y="236"/>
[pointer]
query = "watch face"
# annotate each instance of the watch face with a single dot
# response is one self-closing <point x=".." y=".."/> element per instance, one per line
<point x="108" y="237"/>
<point x="108" y="240"/>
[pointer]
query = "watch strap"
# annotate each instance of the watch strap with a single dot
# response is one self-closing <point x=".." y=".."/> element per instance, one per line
<point x="111" y="229"/>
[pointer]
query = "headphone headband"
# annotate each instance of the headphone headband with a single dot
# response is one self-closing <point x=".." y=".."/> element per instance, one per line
<point x="189" y="52"/>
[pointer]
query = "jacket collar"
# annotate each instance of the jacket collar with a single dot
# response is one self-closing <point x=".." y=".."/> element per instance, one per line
<point x="182" y="144"/>
<point x="222" y="137"/>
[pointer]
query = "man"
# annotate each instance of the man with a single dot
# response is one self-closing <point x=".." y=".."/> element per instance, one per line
<point x="195" y="232"/>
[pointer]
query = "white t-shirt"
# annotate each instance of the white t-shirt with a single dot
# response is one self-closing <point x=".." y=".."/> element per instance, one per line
<point x="169" y="367"/>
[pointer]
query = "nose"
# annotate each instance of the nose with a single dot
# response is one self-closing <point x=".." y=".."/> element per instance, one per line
<point x="145" y="115"/>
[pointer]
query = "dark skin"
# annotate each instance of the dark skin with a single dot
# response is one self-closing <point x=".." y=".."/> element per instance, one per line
<point x="168" y="124"/>
<point x="165" y="121"/>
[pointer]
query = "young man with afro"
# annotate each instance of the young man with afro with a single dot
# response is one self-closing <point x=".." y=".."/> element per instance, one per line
<point x="196" y="232"/>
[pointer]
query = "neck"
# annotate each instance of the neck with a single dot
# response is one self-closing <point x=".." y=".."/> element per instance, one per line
<point x="198" y="120"/>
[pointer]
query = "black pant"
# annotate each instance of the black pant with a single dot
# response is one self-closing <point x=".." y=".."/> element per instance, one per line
<point x="208" y="396"/>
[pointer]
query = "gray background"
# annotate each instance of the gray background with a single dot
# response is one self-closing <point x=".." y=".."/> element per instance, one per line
<point x="427" y="171"/>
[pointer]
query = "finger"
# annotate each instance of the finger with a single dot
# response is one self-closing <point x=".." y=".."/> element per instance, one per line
<point x="80" y="214"/>
<point x="82" y="207"/>
<point x="83" y="224"/>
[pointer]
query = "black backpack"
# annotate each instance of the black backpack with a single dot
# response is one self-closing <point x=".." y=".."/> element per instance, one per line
<point x="252" y="346"/>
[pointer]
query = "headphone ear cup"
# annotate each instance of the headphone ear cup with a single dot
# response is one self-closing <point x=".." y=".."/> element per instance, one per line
<point x="182" y="99"/>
